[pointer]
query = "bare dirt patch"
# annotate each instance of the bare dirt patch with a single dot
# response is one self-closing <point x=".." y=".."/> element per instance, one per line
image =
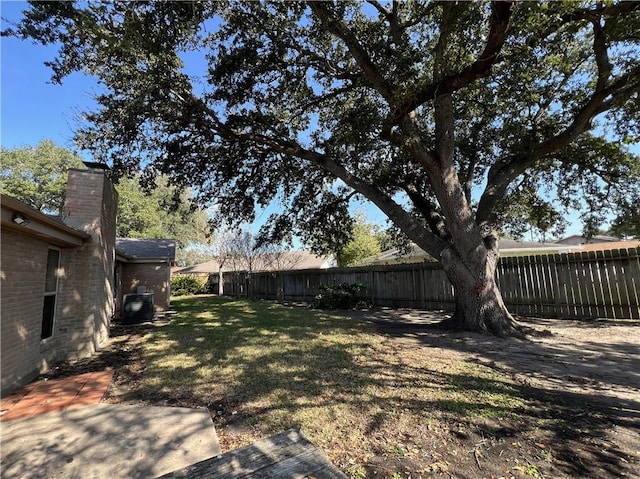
<point x="583" y="379"/>
<point x="597" y="359"/>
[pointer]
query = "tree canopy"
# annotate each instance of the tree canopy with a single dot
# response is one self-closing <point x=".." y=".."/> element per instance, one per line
<point x="37" y="175"/>
<point x="161" y="212"/>
<point x="443" y="114"/>
<point x="364" y="243"/>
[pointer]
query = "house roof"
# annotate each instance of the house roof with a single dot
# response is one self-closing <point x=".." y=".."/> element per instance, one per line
<point x="415" y="254"/>
<point x="208" y="267"/>
<point x="579" y="239"/>
<point x="146" y="249"/>
<point x="296" y="260"/>
<point x="508" y="247"/>
<point x="290" y="260"/>
<point x="608" y="245"/>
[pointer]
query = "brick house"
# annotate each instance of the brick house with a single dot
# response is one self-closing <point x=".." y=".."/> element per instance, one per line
<point x="144" y="264"/>
<point x="58" y="277"/>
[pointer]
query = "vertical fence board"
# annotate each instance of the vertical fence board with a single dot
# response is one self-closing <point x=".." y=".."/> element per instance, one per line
<point x="597" y="274"/>
<point x="633" y="281"/>
<point x="606" y="288"/>
<point x="623" y="291"/>
<point x="522" y="285"/>
<point x="594" y="287"/>
<point x="523" y="292"/>
<point x="565" y="287"/>
<point x="528" y="295"/>
<point x="612" y="273"/>
<point x="549" y="286"/>
<point x="538" y="289"/>
<point x="586" y="285"/>
<point x="600" y="283"/>
<point x="536" y="298"/>
<point x="577" y="285"/>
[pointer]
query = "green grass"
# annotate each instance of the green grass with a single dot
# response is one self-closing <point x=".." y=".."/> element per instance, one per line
<point x="353" y="391"/>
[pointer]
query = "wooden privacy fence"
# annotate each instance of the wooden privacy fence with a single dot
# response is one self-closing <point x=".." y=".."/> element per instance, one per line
<point x="584" y="285"/>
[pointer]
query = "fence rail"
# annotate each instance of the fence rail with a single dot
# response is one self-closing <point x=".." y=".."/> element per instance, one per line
<point x="584" y="285"/>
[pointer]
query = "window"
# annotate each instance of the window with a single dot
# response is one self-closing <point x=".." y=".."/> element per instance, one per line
<point x="50" y="290"/>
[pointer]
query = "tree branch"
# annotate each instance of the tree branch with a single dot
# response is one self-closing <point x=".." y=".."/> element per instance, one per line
<point x="601" y="54"/>
<point x="338" y="28"/>
<point x="428" y="210"/>
<point x="398" y="215"/>
<point x="595" y="14"/>
<point x="614" y="95"/>
<point x="385" y="12"/>
<point x="318" y="100"/>
<point x="468" y="177"/>
<point x="443" y="179"/>
<point x="500" y="17"/>
<point x="414" y="230"/>
<point x="504" y="171"/>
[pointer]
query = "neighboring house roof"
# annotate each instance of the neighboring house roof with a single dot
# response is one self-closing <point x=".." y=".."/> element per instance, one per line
<point x="20" y="217"/>
<point x="146" y="249"/>
<point x="208" y="267"/>
<point x="508" y="247"/>
<point x="415" y="254"/>
<point x="606" y="246"/>
<point x="579" y="239"/>
<point x="297" y="260"/>
<point x="291" y="260"/>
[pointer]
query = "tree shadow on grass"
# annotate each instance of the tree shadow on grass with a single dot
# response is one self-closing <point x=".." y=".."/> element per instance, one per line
<point x="277" y="368"/>
<point x="592" y="357"/>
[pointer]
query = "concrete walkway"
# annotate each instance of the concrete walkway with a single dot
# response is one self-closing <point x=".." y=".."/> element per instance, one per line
<point x="59" y="436"/>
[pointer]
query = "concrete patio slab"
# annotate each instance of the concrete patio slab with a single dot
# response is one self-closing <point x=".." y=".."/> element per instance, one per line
<point x="106" y="441"/>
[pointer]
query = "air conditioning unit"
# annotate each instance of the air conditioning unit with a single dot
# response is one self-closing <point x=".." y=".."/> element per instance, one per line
<point x="138" y="308"/>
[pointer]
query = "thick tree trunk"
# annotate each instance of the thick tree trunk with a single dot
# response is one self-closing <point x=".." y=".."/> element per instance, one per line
<point x="478" y="301"/>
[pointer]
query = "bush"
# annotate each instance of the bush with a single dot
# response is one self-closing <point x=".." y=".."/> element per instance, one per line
<point x="340" y="296"/>
<point x="181" y="285"/>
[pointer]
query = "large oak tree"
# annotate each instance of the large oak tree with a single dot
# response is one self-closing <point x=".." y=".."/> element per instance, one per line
<point x="442" y="114"/>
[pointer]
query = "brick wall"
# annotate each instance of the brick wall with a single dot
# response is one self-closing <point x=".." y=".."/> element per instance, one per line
<point x="155" y="279"/>
<point x="84" y="300"/>
<point x="24" y="354"/>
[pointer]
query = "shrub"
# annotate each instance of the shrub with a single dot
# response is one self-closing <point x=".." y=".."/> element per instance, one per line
<point x="340" y="296"/>
<point x="181" y="285"/>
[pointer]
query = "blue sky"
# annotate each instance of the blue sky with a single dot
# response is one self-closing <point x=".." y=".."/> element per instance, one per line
<point x="34" y="109"/>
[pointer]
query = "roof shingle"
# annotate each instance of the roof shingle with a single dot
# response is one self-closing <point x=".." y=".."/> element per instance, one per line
<point x="138" y="248"/>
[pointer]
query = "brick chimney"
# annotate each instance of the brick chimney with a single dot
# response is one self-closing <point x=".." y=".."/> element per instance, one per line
<point x="90" y="204"/>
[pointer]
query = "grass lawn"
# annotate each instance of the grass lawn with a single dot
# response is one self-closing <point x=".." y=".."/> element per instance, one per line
<point x="375" y="407"/>
<point x="263" y="368"/>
